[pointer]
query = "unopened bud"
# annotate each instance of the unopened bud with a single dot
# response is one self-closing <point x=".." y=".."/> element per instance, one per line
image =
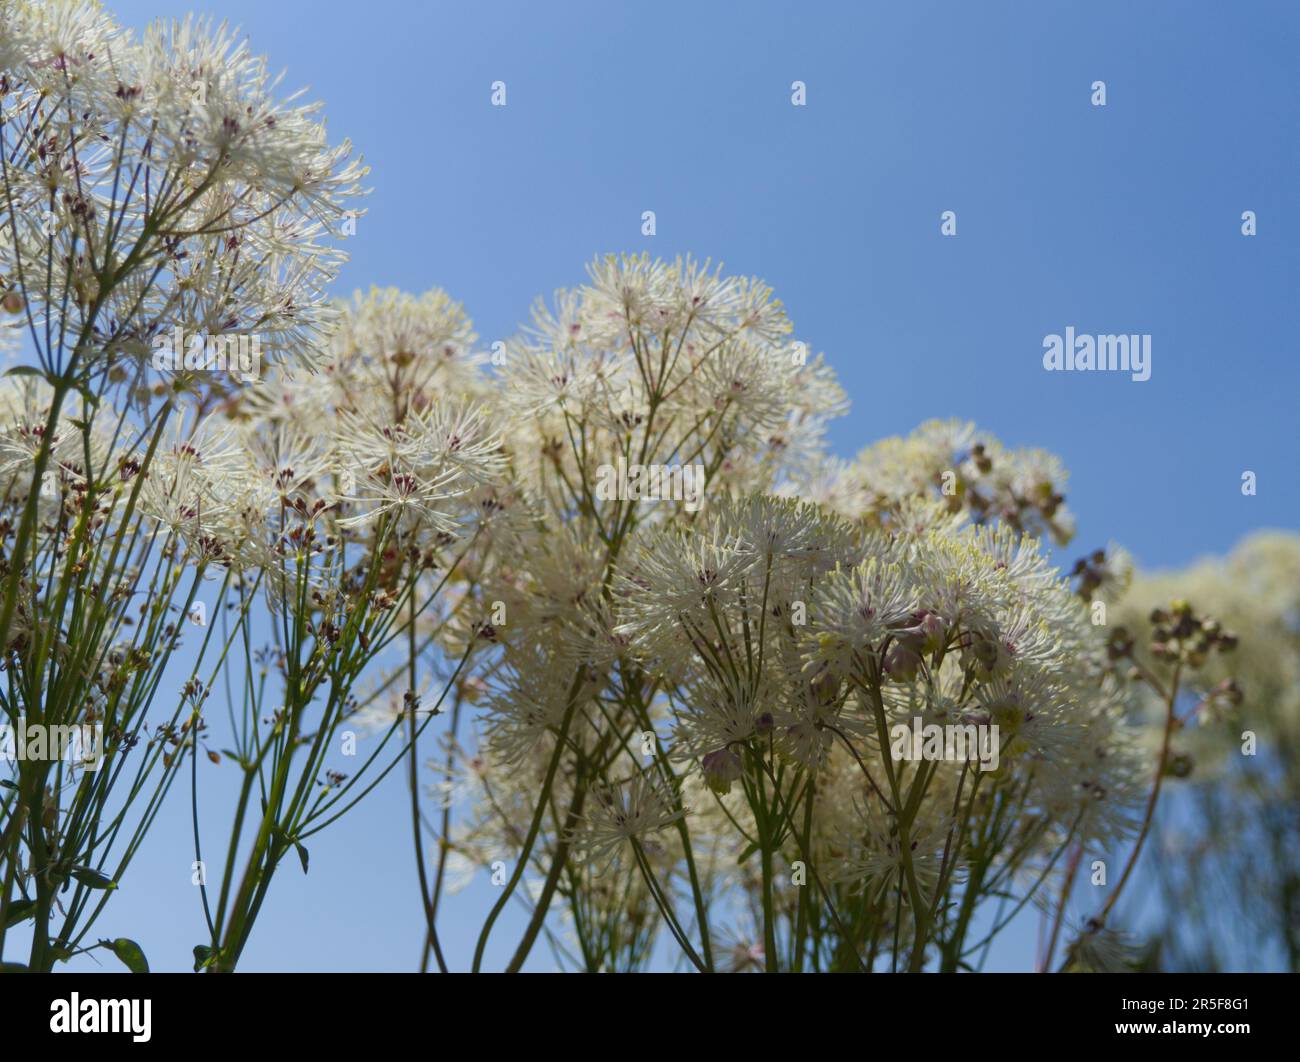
<point x="901" y="663"/>
<point x="721" y="768"/>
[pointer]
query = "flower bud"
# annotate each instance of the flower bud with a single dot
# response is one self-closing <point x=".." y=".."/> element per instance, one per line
<point x="933" y="631"/>
<point x="901" y="663"/>
<point x="825" y="687"/>
<point x="721" y="768"/>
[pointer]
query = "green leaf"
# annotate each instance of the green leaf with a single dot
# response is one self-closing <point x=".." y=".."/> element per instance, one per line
<point x="750" y="849"/>
<point x="130" y="953"/>
<point x="92" y="878"/>
<point x="8" y="784"/>
<point x="203" y="956"/>
<point x="12" y="967"/>
<point x="18" y="911"/>
<point x="26" y="370"/>
<point x="302" y="854"/>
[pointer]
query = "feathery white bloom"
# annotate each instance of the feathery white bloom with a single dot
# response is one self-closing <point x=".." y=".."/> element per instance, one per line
<point x="854" y="609"/>
<point x="620" y="814"/>
<point x="872" y="852"/>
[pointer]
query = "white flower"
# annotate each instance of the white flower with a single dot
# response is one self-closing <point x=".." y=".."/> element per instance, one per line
<point x="620" y="814"/>
<point x="173" y="153"/>
<point x="872" y="853"/>
<point x="854" y="609"/>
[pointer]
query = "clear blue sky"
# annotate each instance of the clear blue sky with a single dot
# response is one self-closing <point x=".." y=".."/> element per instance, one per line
<point x="1123" y="218"/>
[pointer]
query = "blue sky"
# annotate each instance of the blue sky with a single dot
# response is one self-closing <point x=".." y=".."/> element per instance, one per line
<point x="1117" y="219"/>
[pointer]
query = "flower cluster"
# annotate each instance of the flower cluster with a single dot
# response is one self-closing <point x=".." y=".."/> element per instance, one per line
<point x="704" y="677"/>
<point x="166" y="185"/>
<point x="170" y="222"/>
<point x="1228" y="846"/>
<point x="674" y="690"/>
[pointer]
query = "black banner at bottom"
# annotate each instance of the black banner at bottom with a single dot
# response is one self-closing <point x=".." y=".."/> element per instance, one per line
<point x="341" y="1010"/>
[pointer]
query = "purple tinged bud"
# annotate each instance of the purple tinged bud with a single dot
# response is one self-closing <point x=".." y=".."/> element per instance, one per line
<point x="934" y="631"/>
<point x="721" y="768"/>
<point x="901" y="663"/>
